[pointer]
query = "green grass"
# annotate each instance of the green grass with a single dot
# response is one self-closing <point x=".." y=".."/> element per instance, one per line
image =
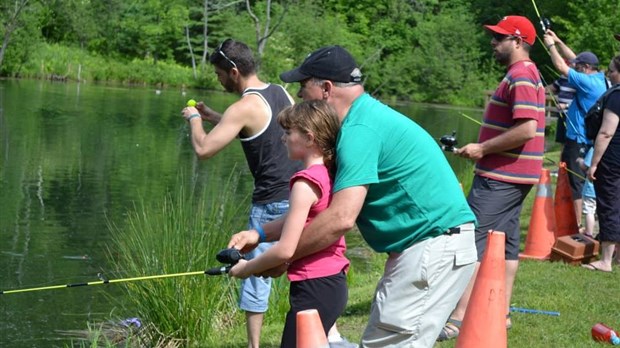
<point x="582" y="297"/>
<point x="201" y="311"/>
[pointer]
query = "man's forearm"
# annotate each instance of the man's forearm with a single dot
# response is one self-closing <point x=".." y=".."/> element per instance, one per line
<point x="322" y="232"/>
<point x="565" y="51"/>
<point x="273" y="229"/>
<point x="557" y="60"/>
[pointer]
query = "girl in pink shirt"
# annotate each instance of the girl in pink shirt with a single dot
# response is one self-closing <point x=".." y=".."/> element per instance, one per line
<point x="318" y="281"/>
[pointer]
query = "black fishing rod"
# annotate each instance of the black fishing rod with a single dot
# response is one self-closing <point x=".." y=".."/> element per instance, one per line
<point x="229" y="257"/>
<point x="545" y="24"/>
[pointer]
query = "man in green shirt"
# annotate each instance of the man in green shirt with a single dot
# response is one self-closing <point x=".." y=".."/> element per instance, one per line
<point x="395" y="183"/>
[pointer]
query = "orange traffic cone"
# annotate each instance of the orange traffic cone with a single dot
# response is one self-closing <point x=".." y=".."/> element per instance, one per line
<point x="565" y="219"/>
<point x="484" y="325"/>
<point x="541" y="233"/>
<point x="310" y="332"/>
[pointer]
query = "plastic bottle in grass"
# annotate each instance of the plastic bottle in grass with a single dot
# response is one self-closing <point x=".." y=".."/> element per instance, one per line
<point x="603" y="333"/>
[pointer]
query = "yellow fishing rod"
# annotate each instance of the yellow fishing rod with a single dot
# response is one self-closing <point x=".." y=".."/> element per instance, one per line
<point x="226" y="256"/>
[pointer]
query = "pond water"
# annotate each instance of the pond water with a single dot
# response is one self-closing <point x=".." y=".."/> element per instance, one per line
<point x="76" y="158"/>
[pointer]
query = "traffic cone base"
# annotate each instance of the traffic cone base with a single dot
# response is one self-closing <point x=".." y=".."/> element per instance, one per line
<point x="310" y="332"/>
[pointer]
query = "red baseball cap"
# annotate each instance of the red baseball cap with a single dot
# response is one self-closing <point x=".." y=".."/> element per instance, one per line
<point x="515" y="26"/>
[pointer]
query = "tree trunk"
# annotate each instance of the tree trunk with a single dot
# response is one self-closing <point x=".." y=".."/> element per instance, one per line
<point x="267" y="31"/>
<point x="205" y="33"/>
<point x="11" y="25"/>
<point x="191" y="52"/>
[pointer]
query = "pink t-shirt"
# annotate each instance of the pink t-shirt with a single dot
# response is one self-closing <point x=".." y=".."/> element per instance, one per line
<point x="330" y="260"/>
<point x="520" y="95"/>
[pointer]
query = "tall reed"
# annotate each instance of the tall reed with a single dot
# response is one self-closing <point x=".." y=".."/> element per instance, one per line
<point x="182" y="233"/>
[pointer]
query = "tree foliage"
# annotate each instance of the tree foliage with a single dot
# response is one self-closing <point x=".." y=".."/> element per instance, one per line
<point x="423" y="50"/>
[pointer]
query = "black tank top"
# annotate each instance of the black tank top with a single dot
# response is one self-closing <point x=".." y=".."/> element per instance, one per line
<point x="266" y="154"/>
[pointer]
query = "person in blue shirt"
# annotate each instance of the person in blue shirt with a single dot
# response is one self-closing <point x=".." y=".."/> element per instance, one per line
<point x="590" y="84"/>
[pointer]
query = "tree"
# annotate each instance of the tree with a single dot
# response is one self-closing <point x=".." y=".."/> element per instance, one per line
<point x="265" y="31"/>
<point x="11" y="21"/>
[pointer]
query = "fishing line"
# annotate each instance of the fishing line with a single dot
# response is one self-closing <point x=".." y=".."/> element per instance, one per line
<point x="565" y="167"/>
<point x="544" y="25"/>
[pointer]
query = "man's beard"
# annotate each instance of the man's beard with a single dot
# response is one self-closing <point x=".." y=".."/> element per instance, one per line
<point x="502" y="57"/>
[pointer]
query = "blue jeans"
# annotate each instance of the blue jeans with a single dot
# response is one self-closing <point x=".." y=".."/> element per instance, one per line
<point x="254" y="296"/>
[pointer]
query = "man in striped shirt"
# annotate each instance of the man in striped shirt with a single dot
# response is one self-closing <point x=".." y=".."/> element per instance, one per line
<point x="508" y="153"/>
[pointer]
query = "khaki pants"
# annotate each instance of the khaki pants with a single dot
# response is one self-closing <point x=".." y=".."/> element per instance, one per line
<point x="419" y="289"/>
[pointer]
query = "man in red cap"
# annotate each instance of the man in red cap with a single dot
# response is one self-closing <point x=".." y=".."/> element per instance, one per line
<point x="508" y="153"/>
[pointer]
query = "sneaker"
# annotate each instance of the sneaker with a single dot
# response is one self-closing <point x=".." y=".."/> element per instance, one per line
<point x="342" y="344"/>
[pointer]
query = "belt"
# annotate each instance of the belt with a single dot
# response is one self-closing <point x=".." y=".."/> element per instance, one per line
<point x="453" y="230"/>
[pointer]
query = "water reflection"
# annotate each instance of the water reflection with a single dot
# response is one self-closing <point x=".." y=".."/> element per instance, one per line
<point x="75" y="158"/>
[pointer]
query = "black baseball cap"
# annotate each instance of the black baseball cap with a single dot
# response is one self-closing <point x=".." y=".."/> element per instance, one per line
<point x="586" y="58"/>
<point x="332" y="63"/>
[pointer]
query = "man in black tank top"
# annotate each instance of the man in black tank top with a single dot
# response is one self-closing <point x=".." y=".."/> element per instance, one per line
<point x="253" y="119"/>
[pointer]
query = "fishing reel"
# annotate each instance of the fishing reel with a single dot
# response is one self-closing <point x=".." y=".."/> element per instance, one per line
<point x="545" y="24"/>
<point x="449" y="142"/>
<point x="229" y="257"/>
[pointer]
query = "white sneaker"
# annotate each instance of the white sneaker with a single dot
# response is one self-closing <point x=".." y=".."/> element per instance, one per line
<point x="342" y="344"/>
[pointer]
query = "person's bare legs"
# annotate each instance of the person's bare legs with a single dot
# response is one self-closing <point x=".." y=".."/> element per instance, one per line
<point x="333" y="332"/>
<point x="254" y="323"/>
<point x="578" y="204"/>
<point x="607" y="251"/>
<point x="590" y="222"/>
<point x="511" y="273"/>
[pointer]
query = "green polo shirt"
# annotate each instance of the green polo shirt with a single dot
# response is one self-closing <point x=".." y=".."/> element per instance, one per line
<point x="413" y="193"/>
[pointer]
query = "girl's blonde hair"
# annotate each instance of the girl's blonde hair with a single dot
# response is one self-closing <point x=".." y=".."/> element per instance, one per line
<point x="320" y="119"/>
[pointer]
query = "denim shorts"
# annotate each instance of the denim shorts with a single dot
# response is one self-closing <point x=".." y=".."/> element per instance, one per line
<point x="254" y="296"/>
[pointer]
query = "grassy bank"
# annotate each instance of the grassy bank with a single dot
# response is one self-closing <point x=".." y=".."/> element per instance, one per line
<point x="201" y="311"/>
<point x="62" y="63"/>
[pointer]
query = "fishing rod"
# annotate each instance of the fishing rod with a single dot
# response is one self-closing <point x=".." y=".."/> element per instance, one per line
<point x="545" y="24"/>
<point x="449" y="142"/>
<point x="229" y="257"/>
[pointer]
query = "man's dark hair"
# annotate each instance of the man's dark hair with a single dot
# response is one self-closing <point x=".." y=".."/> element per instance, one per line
<point x="616" y="62"/>
<point x="234" y="54"/>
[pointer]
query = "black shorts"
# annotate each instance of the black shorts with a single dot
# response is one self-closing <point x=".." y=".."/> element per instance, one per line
<point x="497" y="206"/>
<point x="328" y="295"/>
<point x="607" y="186"/>
<point x="573" y="150"/>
